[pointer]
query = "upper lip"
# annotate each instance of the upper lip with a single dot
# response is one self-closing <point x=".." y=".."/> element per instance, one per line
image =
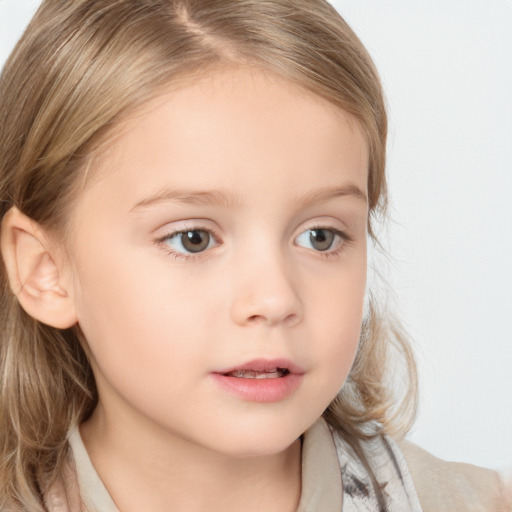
<point x="264" y="365"/>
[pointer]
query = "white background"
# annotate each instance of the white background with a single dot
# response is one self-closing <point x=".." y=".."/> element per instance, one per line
<point x="447" y="72"/>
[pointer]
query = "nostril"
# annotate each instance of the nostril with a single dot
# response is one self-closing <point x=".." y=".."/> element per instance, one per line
<point x="291" y="320"/>
<point x="287" y="321"/>
<point x="256" y="318"/>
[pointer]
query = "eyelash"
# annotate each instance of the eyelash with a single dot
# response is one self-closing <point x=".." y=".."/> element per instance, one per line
<point x="345" y="240"/>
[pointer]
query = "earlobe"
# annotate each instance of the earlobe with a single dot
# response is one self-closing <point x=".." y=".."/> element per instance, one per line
<point x="35" y="275"/>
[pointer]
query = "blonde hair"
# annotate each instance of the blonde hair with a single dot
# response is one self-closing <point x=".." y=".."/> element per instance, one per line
<point x="79" y="68"/>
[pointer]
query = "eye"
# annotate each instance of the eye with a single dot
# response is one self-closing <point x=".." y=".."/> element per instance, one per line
<point x="320" y="239"/>
<point x="192" y="241"/>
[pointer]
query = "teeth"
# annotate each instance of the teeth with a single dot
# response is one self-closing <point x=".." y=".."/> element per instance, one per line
<point x="275" y="373"/>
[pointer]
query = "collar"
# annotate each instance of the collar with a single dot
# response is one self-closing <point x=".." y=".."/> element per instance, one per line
<point x="321" y="473"/>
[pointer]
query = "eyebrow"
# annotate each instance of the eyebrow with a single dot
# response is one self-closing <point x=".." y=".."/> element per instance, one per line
<point x="229" y="200"/>
<point x="189" y="197"/>
<point x="328" y="193"/>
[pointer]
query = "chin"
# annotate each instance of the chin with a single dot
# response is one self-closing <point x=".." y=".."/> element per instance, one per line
<point x="258" y="439"/>
<point x="262" y="446"/>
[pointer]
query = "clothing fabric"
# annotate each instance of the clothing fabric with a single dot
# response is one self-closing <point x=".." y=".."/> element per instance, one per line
<point x="333" y="479"/>
<point x="455" y="486"/>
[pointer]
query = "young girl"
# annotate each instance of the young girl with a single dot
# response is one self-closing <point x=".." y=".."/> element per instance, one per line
<point x="187" y="189"/>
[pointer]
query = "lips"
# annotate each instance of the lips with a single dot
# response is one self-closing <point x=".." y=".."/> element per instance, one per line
<point x="261" y="380"/>
<point x="262" y="367"/>
<point x="275" y="373"/>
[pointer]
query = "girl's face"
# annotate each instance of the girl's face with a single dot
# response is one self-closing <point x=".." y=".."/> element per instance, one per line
<point x="219" y="263"/>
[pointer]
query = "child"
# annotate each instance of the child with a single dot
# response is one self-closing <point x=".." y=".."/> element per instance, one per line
<point x="187" y="189"/>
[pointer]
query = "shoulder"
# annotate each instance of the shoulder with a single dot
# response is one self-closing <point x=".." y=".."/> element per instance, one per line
<point x="453" y="486"/>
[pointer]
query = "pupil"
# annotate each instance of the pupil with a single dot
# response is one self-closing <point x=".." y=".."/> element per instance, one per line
<point x="320" y="236"/>
<point x="321" y="239"/>
<point x="195" y="241"/>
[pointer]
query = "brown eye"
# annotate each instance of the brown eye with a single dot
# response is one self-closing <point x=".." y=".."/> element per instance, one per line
<point x="190" y="242"/>
<point x="195" y="241"/>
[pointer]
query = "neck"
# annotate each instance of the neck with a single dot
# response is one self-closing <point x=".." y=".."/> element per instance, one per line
<point x="155" y="471"/>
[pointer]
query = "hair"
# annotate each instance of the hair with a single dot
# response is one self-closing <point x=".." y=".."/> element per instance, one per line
<point x="79" y="69"/>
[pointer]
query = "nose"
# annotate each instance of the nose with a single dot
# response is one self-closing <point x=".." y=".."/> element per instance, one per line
<point x="266" y="292"/>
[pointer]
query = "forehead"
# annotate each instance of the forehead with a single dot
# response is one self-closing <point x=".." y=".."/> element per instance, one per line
<point x="232" y="126"/>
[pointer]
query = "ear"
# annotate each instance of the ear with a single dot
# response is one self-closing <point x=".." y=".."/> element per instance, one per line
<point x="37" y="276"/>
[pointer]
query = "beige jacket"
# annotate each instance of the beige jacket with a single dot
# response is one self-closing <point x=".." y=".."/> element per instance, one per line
<point x="456" y="487"/>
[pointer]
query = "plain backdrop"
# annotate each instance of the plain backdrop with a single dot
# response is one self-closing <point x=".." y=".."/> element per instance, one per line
<point x="447" y="72"/>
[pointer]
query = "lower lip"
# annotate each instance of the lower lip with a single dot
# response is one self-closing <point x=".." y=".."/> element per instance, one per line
<point x="260" y="390"/>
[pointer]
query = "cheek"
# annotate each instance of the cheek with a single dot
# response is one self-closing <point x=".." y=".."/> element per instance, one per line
<point x="137" y="313"/>
<point x="337" y="318"/>
<point x="145" y="344"/>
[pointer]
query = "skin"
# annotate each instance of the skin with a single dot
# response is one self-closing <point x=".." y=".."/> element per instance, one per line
<point x="159" y="321"/>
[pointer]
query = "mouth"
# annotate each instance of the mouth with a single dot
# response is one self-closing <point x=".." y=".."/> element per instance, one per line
<point x="261" y="380"/>
<point x="274" y="373"/>
<point x="262" y="369"/>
